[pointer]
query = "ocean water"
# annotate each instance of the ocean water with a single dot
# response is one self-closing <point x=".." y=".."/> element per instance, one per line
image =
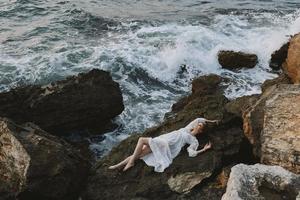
<point x="143" y="44"/>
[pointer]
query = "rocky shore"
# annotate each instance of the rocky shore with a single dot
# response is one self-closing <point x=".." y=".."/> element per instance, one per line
<point x="84" y="102"/>
<point x="255" y="154"/>
<point x="35" y="164"/>
<point x="206" y="100"/>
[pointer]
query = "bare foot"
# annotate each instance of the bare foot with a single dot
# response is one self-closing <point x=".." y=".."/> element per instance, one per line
<point x="129" y="165"/>
<point x="113" y="167"/>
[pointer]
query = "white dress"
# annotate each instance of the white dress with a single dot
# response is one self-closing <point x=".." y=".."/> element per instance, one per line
<point x="167" y="146"/>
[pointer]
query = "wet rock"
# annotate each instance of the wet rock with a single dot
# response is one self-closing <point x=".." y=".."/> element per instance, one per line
<point x="278" y="57"/>
<point x="292" y="64"/>
<point x="37" y="165"/>
<point x="281" y="79"/>
<point x="261" y="182"/>
<point x="235" y="60"/>
<point x="272" y="126"/>
<point x="185" y="173"/>
<point x="87" y="101"/>
<point x="209" y="84"/>
<point x="204" y="85"/>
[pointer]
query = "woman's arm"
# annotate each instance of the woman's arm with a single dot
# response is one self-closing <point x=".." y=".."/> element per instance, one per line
<point x="192" y="124"/>
<point x="212" y="121"/>
<point x="200" y="120"/>
<point x="205" y="148"/>
<point x="192" y="149"/>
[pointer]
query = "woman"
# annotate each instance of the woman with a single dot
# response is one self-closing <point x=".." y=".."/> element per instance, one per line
<point x="160" y="151"/>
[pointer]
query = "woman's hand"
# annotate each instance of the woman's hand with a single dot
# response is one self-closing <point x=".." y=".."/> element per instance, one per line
<point x="207" y="146"/>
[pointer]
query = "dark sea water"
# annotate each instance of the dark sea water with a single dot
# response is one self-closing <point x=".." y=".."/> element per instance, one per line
<point x="143" y="44"/>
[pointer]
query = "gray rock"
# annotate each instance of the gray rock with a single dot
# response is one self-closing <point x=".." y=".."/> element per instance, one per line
<point x="258" y="182"/>
<point x="184" y="183"/>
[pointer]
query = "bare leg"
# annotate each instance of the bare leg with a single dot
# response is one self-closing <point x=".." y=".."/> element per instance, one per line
<point x="120" y="164"/>
<point x="145" y="150"/>
<point x="137" y="152"/>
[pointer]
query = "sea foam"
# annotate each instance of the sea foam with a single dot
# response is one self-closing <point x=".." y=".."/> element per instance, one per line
<point x="153" y="60"/>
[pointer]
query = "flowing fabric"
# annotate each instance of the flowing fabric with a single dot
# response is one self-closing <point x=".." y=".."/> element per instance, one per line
<point x="167" y="146"/>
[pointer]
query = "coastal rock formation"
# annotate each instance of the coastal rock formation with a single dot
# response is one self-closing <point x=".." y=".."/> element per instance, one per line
<point x="253" y="119"/>
<point x="204" y="85"/>
<point x="278" y="57"/>
<point x="37" y="165"/>
<point x="235" y="60"/>
<point x="292" y="65"/>
<point x="261" y="182"/>
<point x="281" y="131"/>
<point x="183" y="183"/>
<point x="240" y="105"/>
<point x="272" y="126"/>
<point x="281" y="79"/>
<point x="185" y="174"/>
<point x="89" y="100"/>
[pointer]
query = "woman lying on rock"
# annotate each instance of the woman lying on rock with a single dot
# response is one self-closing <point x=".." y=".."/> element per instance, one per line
<point x="159" y="152"/>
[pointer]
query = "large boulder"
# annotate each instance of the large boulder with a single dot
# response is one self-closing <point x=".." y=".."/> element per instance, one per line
<point x="281" y="131"/>
<point x="89" y="100"/>
<point x="278" y="57"/>
<point x="37" y="165"/>
<point x="185" y="175"/>
<point x="259" y="181"/>
<point x="292" y="64"/>
<point x="235" y="60"/>
<point x="272" y="126"/>
<point x="204" y="85"/>
<point x="253" y="120"/>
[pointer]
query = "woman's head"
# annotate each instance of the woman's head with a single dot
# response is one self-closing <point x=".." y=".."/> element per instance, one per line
<point x="198" y="129"/>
